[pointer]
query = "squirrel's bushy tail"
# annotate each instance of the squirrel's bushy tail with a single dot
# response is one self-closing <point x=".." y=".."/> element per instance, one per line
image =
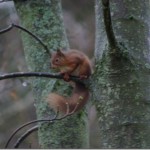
<point x="78" y="99"/>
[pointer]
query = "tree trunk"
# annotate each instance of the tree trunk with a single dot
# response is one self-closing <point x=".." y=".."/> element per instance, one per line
<point x="122" y="79"/>
<point x="44" y="18"/>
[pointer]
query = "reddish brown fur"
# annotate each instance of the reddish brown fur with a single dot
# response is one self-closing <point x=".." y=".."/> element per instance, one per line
<point x="68" y="63"/>
<point x="79" y="98"/>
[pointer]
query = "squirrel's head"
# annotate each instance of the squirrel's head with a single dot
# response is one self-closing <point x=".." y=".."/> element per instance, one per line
<point x="57" y="59"/>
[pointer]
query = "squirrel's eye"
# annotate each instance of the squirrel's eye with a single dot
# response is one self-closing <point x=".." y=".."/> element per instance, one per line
<point x="57" y="60"/>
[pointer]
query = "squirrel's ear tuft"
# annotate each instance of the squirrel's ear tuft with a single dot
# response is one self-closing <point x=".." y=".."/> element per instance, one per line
<point x="59" y="52"/>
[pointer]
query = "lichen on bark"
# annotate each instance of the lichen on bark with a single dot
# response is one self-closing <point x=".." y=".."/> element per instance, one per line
<point x="121" y="84"/>
<point x="44" y="18"/>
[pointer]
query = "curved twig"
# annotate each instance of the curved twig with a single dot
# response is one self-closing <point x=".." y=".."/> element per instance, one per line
<point x="6" y="29"/>
<point x="27" y="31"/>
<point x="28" y="132"/>
<point x="67" y="112"/>
<point x="108" y="24"/>
<point x="29" y="123"/>
<point x="37" y="121"/>
<point x="35" y="37"/>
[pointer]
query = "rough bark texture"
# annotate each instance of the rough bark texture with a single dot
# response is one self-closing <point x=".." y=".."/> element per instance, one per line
<point x="122" y="80"/>
<point x="44" y="18"/>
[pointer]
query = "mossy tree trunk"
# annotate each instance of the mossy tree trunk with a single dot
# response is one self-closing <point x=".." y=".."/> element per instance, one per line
<point x="44" y="18"/>
<point x="122" y="75"/>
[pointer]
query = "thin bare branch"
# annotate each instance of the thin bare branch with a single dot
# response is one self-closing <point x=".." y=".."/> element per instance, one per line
<point x="26" y="134"/>
<point x="29" y="74"/>
<point x="68" y="112"/>
<point x="36" y="128"/>
<point x="108" y="24"/>
<point x="1" y="1"/>
<point x="34" y="74"/>
<point x="35" y="37"/>
<point x="29" y="123"/>
<point x="27" y="31"/>
<point x="67" y="104"/>
<point x="75" y="108"/>
<point x="6" y="29"/>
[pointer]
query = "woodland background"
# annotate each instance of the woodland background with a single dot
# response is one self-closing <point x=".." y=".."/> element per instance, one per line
<point x="16" y="100"/>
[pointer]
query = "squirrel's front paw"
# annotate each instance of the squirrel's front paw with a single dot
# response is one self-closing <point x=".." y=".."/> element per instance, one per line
<point x="66" y="77"/>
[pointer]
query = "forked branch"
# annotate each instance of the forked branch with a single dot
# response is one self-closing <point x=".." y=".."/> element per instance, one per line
<point x="35" y="128"/>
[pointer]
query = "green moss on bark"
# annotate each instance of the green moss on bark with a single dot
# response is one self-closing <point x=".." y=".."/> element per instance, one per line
<point x="44" y="18"/>
<point x="121" y="84"/>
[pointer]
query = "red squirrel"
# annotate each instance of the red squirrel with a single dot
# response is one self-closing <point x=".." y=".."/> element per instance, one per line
<point x="76" y="63"/>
